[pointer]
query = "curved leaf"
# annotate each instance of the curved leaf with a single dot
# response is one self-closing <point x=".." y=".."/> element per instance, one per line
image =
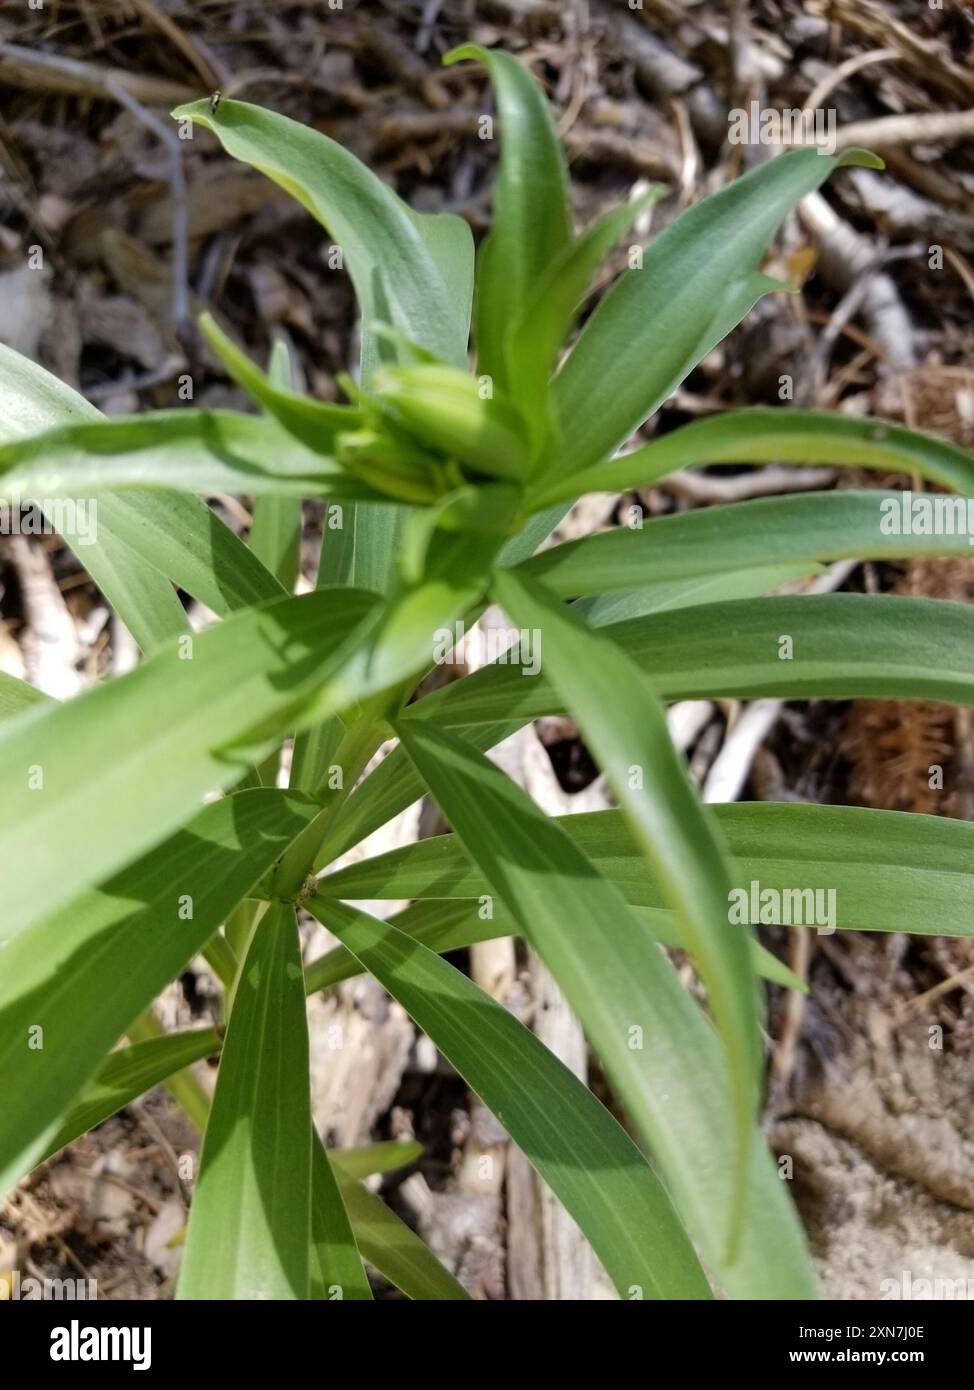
<point x="249" y="1232"/>
<point x="844" y="647"/>
<point x="624" y="726"/>
<point x="314" y="423"/>
<point x="452" y="923"/>
<point x="660" y="1054"/>
<point x="532" y="211"/>
<point x="178" y="535"/>
<point x="176" y="727"/>
<point x="127" y="1074"/>
<point x="136" y="932"/>
<point x="655" y="324"/>
<point x="575" y="1144"/>
<point x="31" y="401"/>
<point x="202" y="451"/>
<point x="181" y="538"/>
<point x="891" y="871"/>
<point x="392" y="1248"/>
<point x="777" y="435"/>
<point x="768" y="531"/>
<point x="404" y="266"/>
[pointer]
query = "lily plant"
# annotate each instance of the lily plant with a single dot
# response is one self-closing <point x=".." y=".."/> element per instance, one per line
<point x="143" y="824"/>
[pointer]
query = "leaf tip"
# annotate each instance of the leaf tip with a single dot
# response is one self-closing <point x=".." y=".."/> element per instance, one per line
<point x="463" y="51"/>
<point x="859" y="158"/>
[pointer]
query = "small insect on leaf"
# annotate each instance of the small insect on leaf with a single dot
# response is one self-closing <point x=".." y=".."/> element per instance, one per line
<point x="215" y="100"/>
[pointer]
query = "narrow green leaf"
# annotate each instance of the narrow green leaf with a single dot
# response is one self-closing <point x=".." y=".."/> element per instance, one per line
<point x="845" y="647"/>
<point x="383" y="1157"/>
<point x="777" y="435"/>
<point x="412" y="270"/>
<point x="336" y="1265"/>
<point x="613" y="973"/>
<point x="810" y="527"/>
<point x="127" y="1074"/>
<point x="250" y="1221"/>
<point x="141" y="535"/>
<point x="31" y="401"/>
<point x="624" y="725"/>
<point x="181" y="538"/>
<point x="395" y="262"/>
<point x="532" y="210"/>
<point x="392" y="1248"/>
<point x="450" y="919"/>
<point x="700" y="278"/>
<point x="534" y="340"/>
<point x="617" y="606"/>
<point x="315" y="423"/>
<point x="85" y="972"/>
<point x="890" y="871"/>
<point x="188" y="720"/>
<point x="575" y="1144"/>
<point x="202" y="451"/>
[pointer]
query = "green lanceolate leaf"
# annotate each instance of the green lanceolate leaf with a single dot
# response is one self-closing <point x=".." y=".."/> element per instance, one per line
<point x="202" y="451"/>
<point x="249" y="1230"/>
<point x="575" y="1144"/>
<point x="532" y="212"/>
<point x="624" y="725"/>
<point x="336" y="1272"/>
<point x="142" y="539"/>
<point x="385" y="1156"/>
<point x="890" y="871"/>
<point x="90" y="784"/>
<point x="404" y="266"/>
<point x="843" y="647"/>
<point x="84" y="972"/>
<point x="315" y="423"/>
<point x="771" y="531"/>
<point x="664" y="595"/>
<point x="451" y="924"/>
<point x="673" y="1087"/>
<point x="126" y="1075"/>
<point x="699" y="279"/>
<point x="535" y="338"/>
<point x="778" y="435"/>
<point x="33" y="401"/>
<point x="392" y="1248"/>
<point x="181" y="538"/>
